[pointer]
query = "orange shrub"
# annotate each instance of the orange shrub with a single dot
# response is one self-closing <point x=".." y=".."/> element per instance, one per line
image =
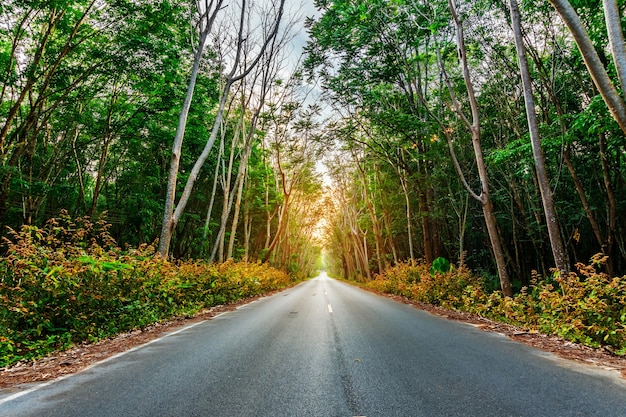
<point x="586" y="306"/>
<point x="68" y="282"/>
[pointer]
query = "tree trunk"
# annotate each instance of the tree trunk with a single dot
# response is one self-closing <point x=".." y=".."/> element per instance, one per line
<point x="594" y="65"/>
<point x="218" y="246"/>
<point x="171" y="216"/>
<point x="409" y="226"/>
<point x="558" y="251"/>
<point x="426" y="237"/>
<point x="474" y="128"/>
<point x="616" y="38"/>
<point x="612" y="213"/>
<point x="595" y="227"/>
<point x="247" y="229"/>
<point x="279" y="230"/>
<point x="169" y="221"/>
<point x="103" y="157"/>
<point x="380" y="255"/>
<point x="233" y="229"/>
<point x="209" y="211"/>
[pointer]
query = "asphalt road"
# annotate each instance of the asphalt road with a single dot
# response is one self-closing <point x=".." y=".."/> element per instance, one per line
<point x="325" y="348"/>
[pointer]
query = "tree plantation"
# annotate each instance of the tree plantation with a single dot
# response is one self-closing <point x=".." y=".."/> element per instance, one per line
<point x="172" y="118"/>
<point x="444" y="158"/>
<point x="465" y="153"/>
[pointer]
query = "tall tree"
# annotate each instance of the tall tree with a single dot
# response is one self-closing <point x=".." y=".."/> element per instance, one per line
<point x="172" y="215"/>
<point x="376" y="60"/>
<point x="85" y="79"/>
<point x="594" y="64"/>
<point x="255" y="94"/>
<point x="294" y="151"/>
<point x="474" y="127"/>
<point x="558" y="251"/>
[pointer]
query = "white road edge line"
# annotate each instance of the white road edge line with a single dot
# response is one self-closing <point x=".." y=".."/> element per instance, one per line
<point x="110" y="358"/>
<point x="330" y="308"/>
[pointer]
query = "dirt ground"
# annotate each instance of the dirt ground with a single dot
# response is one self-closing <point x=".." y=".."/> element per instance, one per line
<point x="82" y="356"/>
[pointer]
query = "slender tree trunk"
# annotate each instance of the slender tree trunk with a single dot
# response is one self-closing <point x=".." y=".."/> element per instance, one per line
<point x="268" y="219"/>
<point x="103" y="157"/>
<point x="462" y="223"/>
<point x="558" y="251"/>
<point x="348" y="254"/>
<point x="169" y="222"/>
<point x="380" y="256"/>
<point x="595" y="226"/>
<point x="388" y="241"/>
<point x="426" y="238"/>
<point x="594" y="65"/>
<point x="407" y="198"/>
<point x="279" y="230"/>
<point x="285" y="244"/>
<point x="13" y="55"/>
<point x="474" y="128"/>
<point x="218" y="247"/>
<point x="209" y="211"/>
<point x="80" y="172"/>
<point x="172" y="216"/>
<point x="233" y="229"/>
<point x="388" y="229"/>
<point x="433" y="223"/>
<point x="612" y="212"/>
<point x="266" y="76"/>
<point x="360" y="253"/>
<point x="282" y="216"/>
<point x="613" y="20"/>
<point x="241" y="176"/>
<point x="409" y="226"/>
<point x="247" y="229"/>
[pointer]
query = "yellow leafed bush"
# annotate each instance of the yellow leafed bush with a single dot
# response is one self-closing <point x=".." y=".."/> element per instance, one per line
<point x="586" y="306"/>
<point x="68" y="283"/>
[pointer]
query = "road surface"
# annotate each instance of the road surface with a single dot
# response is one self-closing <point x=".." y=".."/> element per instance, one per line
<point x="324" y="348"/>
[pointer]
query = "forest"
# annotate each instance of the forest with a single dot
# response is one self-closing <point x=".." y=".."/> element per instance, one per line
<point x="400" y="135"/>
<point x="437" y="154"/>
<point x="97" y="97"/>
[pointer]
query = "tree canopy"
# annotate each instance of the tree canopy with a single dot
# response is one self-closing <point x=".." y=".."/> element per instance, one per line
<point x="192" y="125"/>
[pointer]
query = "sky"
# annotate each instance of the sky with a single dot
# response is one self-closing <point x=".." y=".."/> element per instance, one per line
<point x="307" y="9"/>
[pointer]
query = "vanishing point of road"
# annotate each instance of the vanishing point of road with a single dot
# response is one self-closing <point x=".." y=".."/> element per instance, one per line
<point x="325" y="348"/>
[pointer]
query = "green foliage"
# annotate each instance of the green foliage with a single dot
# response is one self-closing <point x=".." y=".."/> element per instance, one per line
<point x="68" y="283"/>
<point x="586" y="307"/>
<point x="440" y="265"/>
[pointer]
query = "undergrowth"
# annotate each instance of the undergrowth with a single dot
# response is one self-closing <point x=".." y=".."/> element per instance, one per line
<point x="586" y="306"/>
<point x="69" y="283"/>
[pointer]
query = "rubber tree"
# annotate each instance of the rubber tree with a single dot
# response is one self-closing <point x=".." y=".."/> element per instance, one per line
<point x="293" y="152"/>
<point x="207" y="13"/>
<point x="473" y="125"/>
<point x="48" y="59"/>
<point x="255" y="94"/>
<point x="173" y="211"/>
<point x="375" y="59"/>
<point x="596" y="68"/>
<point x="560" y="257"/>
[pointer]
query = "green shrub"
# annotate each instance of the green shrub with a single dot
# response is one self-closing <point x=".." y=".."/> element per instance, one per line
<point x="440" y="265"/>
